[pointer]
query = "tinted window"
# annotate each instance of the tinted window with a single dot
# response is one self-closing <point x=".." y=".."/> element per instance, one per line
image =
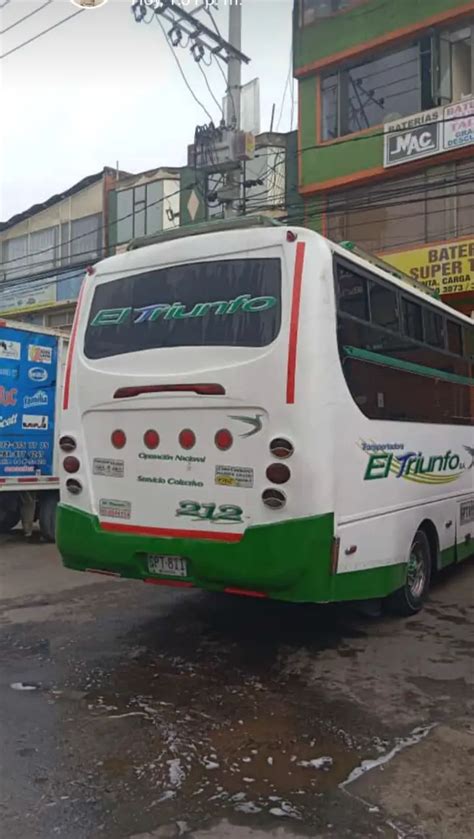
<point x="433" y="326"/>
<point x="395" y="374"/>
<point x="352" y="293"/>
<point x="454" y="337"/>
<point x="412" y="320"/>
<point x="383" y="306"/>
<point x="225" y="303"/>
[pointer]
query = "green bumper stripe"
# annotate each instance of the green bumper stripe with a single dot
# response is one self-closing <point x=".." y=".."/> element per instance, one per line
<point x="289" y="560"/>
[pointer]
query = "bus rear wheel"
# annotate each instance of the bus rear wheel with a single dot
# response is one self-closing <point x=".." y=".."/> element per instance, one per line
<point x="409" y="599"/>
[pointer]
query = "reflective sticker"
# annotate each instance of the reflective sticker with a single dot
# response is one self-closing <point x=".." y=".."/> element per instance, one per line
<point x="234" y="476"/>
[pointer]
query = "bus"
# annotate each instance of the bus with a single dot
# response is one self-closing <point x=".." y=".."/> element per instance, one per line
<point x="252" y="409"/>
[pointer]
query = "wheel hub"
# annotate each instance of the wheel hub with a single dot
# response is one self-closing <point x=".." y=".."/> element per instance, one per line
<point x="416" y="573"/>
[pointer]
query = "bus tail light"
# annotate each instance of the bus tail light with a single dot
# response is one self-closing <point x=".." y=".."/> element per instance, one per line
<point x="281" y="447"/>
<point x="223" y="439"/>
<point x="278" y="473"/>
<point x="187" y="439"/>
<point x="151" y="438"/>
<point x="118" y="438"/>
<point x="67" y="444"/>
<point x="73" y="486"/>
<point x="71" y="464"/>
<point x="274" y="498"/>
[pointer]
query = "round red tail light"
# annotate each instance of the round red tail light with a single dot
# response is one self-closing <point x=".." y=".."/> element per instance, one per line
<point x="274" y="498"/>
<point x="73" y="486"/>
<point x="223" y="439"/>
<point x="67" y="444"/>
<point x="282" y="448"/>
<point x="187" y="439"/>
<point x="118" y="438"/>
<point x="278" y="473"/>
<point x="151" y="438"/>
<point x="71" y="464"/>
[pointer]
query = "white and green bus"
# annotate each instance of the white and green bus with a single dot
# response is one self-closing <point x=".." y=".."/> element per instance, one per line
<point x="255" y="410"/>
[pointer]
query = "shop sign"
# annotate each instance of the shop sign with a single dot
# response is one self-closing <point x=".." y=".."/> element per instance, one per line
<point x="459" y="125"/>
<point x="29" y="294"/>
<point x="413" y="138"/>
<point x="429" y="133"/>
<point x="447" y="268"/>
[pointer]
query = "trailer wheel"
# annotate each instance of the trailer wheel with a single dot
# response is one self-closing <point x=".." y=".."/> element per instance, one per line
<point x="48" y="501"/>
<point x="9" y="511"/>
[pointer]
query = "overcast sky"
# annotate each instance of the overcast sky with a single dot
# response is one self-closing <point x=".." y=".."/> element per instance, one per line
<point x="102" y="88"/>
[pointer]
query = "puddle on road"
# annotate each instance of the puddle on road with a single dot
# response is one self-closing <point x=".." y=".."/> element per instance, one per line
<point x="213" y="726"/>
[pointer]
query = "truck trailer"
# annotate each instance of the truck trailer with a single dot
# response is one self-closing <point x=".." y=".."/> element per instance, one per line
<point x="32" y="364"/>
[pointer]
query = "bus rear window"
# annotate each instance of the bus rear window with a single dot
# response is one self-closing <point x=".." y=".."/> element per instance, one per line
<point x="214" y="304"/>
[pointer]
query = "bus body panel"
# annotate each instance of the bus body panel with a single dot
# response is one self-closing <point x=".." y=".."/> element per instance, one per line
<point x="351" y="510"/>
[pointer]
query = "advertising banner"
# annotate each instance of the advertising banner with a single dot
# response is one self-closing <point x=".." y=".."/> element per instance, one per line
<point x="413" y="138"/>
<point x="447" y="268"/>
<point x="28" y="295"/>
<point x="429" y="133"/>
<point x="28" y="369"/>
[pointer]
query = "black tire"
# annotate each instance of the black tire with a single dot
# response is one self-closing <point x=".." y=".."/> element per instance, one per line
<point x="9" y="511"/>
<point x="48" y="501"/>
<point x="409" y="599"/>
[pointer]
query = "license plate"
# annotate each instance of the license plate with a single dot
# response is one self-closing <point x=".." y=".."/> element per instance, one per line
<point x="171" y="566"/>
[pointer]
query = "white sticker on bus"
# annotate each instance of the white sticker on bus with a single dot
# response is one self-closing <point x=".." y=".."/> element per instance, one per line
<point x="108" y="467"/>
<point x="234" y="476"/>
<point x="114" y="509"/>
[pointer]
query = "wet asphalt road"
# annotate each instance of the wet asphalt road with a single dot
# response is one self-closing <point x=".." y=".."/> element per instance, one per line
<point x="155" y="712"/>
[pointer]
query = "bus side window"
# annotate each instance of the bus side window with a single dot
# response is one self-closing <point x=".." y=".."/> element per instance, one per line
<point x="352" y="293"/>
<point x="434" y="328"/>
<point x="412" y="320"/>
<point x="383" y="307"/>
<point x="454" y="337"/>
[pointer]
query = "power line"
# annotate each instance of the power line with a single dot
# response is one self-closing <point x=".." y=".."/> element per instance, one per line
<point x="183" y="76"/>
<point x="210" y="89"/>
<point x="339" y="141"/>
<point x="426" y="186"/>
<point x="316" y="215"/>
<point x="44" y="32"/>
<point x="385" y="193"/>
<point x="314" y="212"/>
<point x="25" y="17"/>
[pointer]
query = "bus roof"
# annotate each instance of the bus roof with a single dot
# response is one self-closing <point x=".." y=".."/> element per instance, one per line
<point x="403" y="281"/>
<point x="347" y="250"/>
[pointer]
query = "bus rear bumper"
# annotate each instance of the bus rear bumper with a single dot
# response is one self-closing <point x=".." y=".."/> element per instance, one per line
<point x="289" y="560"/>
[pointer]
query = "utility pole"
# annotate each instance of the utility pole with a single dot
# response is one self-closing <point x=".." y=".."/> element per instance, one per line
<point x="234" y="84"/>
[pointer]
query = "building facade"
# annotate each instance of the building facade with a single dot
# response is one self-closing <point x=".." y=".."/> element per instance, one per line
<point x="45" y="249"/>
<point x="386" y="132"/>
<point x="143" y="204"/>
